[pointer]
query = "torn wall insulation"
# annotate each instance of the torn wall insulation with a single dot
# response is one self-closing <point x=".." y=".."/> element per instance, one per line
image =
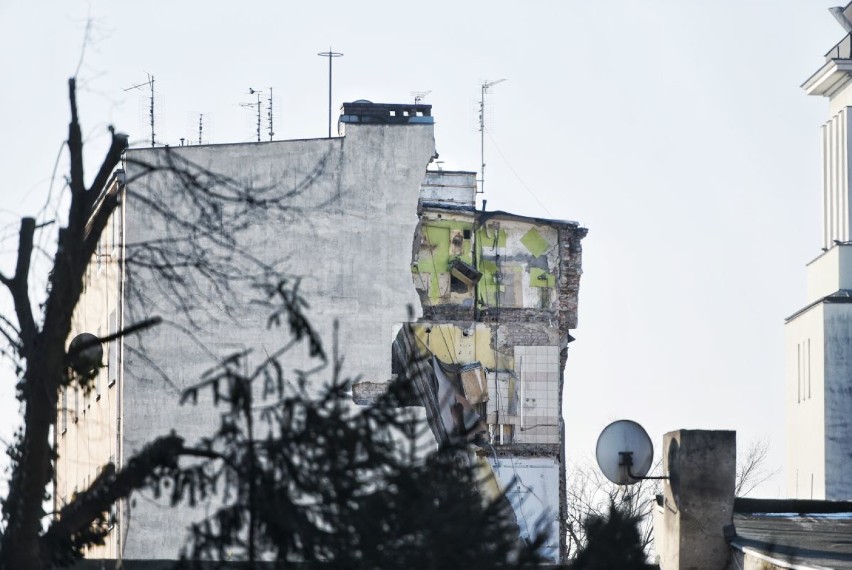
<point x="441" y="388"/>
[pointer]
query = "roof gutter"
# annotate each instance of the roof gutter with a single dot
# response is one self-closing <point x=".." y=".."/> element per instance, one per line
<point x="777" y="562"/>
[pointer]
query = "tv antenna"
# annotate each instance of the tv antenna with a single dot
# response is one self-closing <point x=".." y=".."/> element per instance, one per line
<point x="625" y="452"/>
<point x="150" y="83"/>
<point x="269" y="115"/>
<point x="200" y="126"/>
<point x="419" y="95"/>
<point x="485" y="85"/>
<point x="330" y="55"/>
<point x="257" y="105"/>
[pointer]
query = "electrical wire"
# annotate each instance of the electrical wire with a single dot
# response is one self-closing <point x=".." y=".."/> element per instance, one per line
<point x="512" y="170"/>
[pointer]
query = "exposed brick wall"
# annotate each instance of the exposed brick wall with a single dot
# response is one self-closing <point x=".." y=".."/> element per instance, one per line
<point x="526" y="450"/>
<point x="570" y="271"/>
<point x="447" y="313"/>
<point x="568" y="285"/>
<point x="525" y="333"/>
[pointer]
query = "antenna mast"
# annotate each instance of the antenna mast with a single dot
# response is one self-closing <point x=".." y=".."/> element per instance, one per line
<point x="150" y="83"/>
<point x="269" y="115"/>
<point x="419" y="95"/>
<point x="330" y="55"/>
<point x="485" y="85"/>
<point x="255" y="92"/>
<point x="200" y="126"/>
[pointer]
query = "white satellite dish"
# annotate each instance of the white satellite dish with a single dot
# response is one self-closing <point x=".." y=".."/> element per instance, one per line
<point x="624" y="452"/>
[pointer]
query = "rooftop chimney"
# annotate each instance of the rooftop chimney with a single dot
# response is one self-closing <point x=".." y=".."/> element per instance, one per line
<point x="367" y="112"/>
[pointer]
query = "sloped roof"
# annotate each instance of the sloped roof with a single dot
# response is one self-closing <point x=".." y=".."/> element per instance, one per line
<point x="798" y="534"/>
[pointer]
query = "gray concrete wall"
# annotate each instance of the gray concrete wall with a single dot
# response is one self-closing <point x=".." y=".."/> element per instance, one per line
<point x="348" y="238"/>
<point x="698" y="499"/>
<point x="838" y="401"/>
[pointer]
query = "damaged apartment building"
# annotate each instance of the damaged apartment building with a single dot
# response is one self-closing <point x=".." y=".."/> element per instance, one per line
<point x="498" y="292"/>
<point x="494" y="297"/>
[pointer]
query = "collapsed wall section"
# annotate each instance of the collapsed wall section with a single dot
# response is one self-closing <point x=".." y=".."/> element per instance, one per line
<point x="499" y="295"/>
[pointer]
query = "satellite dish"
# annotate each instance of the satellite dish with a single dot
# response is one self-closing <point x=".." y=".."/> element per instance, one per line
<point x="624" y="452"/>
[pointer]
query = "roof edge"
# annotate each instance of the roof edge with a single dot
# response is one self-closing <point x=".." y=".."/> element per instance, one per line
<point x="839" y="296"/>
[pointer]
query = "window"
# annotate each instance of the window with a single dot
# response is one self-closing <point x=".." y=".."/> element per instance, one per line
<point x="809" y="369"/>
<point x="803" y="370"/>
<point x="799" y="372"/>
<point x="115" y="233"/>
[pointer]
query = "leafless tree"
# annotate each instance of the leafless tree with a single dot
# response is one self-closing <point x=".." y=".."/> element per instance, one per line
<point x="752" y="470"/>
<point x="590" y="494"/>
<point x="200" y="252"/>
<point x="37" y="341"/>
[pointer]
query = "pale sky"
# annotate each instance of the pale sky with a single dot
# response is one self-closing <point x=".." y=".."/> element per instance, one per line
<point x="676" y="131"/>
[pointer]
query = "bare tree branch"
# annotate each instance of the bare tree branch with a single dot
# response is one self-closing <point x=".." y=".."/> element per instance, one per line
<point x="75" y="143"/>
<point x="591" y="494"/>
<point x="13" y="338"/>
<point x="44" y="371"/>
<point x="19" y="284"/>
<point x="751" y="468"/>
<point x="112" y="158"/>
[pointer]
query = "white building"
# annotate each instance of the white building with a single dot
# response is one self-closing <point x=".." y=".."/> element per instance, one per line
<point x="819" y="336"/>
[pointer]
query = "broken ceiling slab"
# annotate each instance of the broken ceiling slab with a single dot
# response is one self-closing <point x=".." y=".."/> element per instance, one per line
<point x="464" y="272"/>
<point x="474" y="383"/>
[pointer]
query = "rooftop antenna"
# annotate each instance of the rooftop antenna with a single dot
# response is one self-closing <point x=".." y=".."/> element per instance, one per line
<point x="255" y="92"/>
<point x="485" y="85"/>
<point x="419" y="95"/>
<point x="330" y="55"/>
<point x="200" y="126"/>
<point x="150" y="83"/>
<point x="269" y="115"/>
